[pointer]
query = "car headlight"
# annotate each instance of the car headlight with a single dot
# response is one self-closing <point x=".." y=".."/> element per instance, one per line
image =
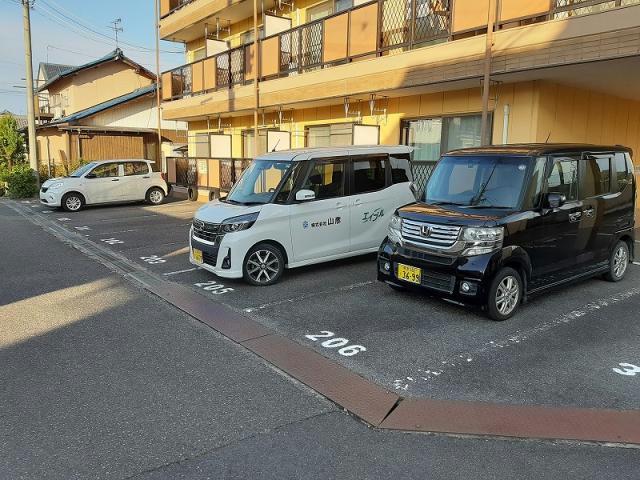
<point x="55" y="186"/>
<point x="481" y="240"/>
<point x="395" y="229"/>
<point x="242" y="222"/>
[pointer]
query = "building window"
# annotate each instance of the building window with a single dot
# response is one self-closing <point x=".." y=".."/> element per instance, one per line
<point x="431" y="137"/>
<point x="325" y="9"/>
<point x="247" y="37"/>
<point x="334" y="135"/>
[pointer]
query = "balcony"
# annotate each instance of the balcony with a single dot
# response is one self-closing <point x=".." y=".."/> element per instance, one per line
<point x="381" y="28"/>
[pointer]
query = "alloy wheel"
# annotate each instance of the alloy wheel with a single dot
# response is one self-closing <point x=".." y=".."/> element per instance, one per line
<point x="262" y="266"/>
<point x="620" y="261"/>
<point x="73" y="203"/>
<point x="507" y="295"/>
<point x="155" y="196"/>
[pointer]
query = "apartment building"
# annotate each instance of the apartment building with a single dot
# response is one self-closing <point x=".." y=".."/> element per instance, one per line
<point x="339" y="72"/>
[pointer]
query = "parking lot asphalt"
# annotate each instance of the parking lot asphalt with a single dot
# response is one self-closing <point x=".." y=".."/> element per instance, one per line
<point x="562" y="349"/>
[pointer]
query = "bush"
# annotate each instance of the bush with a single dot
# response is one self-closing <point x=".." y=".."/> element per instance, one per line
<point x="21" y="182"/>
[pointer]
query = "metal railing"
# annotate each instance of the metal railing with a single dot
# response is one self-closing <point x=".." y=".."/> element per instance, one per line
<point x="167" y="7"/>
<point x="400" y="25"/>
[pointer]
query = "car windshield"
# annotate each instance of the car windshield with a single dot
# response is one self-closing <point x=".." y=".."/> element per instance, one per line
<point x="83" y="169"/>
<point x="259" y="182"/>
<point x="478" y="182"/>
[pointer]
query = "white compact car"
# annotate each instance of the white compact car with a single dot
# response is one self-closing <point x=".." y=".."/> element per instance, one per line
<point x="300" y="207"/>
<point x="105" y="182"/>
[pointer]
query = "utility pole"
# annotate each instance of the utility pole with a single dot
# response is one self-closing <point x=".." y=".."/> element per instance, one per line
<point x="31" y="116"/>
<point x="158" y="84"/>
<point x="256" y="72"/>
<point x="486" y="84"/>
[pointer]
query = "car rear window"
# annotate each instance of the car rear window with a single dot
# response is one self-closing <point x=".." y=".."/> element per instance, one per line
<point x="135" y="168"/>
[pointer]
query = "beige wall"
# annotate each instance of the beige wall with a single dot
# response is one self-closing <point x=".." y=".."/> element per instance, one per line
<point x="96" y="85"/>
<point x="537" y="109"/>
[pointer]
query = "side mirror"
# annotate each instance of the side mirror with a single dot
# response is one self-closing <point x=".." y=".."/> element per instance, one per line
<point x="90" y="175"/>
<point x="305" y="195"/>
<point x="555" y="200"/>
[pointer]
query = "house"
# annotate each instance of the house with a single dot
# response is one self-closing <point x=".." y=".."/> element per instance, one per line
<point x="339" y="72"/>
<point x="46" y="72"/>
<point x="103" y="109"/>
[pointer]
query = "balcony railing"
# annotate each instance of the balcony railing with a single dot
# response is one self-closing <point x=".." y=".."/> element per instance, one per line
<point x="203" y="172"/>
<point x="376" y="28"/>
<point x="169" y="6"/>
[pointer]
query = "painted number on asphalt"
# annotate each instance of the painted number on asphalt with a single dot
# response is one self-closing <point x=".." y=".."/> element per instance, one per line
<point x="111" y="241"/>
<point x="213" y="287"/>
<point x="346" y="350"/>
<point x="627" y="369"/>
<point x="153" y="259"/>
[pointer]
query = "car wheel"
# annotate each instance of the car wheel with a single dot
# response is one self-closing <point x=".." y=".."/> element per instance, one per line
<point x="72" y="202"/>
<point x="192" y="193"/>
<point x="618" y="262"/>
<point x="263" y="265"/>
<point x="505" y="294"/>
<point x="155" y="196"/>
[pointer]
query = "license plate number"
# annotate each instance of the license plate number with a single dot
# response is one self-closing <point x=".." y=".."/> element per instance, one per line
<point x="197" y="255"/>
<point x="409" y="273"/>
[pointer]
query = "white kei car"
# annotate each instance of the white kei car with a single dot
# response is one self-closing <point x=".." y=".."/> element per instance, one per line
<point x="300" y="207"/>
<point x="106" y="181"/>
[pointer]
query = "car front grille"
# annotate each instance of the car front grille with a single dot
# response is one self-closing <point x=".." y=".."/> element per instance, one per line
<point x="210" y="232"/>
<point x="430" y="235"/>
<point x="438" y="281"/>
<point x="210" y="258"/>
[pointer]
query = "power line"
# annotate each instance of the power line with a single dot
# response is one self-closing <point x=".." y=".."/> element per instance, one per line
<point x="81" y="23"/>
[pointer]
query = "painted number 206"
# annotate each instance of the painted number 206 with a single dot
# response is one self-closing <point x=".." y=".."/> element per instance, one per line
<point x="346" y="350"/>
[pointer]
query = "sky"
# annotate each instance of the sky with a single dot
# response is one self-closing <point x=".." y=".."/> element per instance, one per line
<point x="61" y="33"/>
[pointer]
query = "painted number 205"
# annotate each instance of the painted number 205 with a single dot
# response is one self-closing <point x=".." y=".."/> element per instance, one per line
<point x="214" y="287"/>
<point x="346" y="350"/>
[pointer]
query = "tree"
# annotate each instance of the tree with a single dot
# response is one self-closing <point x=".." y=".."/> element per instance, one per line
<point x="12" y="146"/>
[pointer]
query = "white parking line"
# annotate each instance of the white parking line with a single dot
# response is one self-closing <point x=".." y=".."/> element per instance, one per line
<point x="180" y="271"/>
<point x="519" y="336"/>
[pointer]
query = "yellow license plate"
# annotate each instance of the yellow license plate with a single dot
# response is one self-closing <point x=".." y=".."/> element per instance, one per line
<point x="197" y="255"/>
<point x="409" y="273"/>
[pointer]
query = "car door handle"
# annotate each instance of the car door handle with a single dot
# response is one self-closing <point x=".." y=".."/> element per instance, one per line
<point x="357" y="202"/>
<point x="575" y="217"/>
<point x="146" y="176"/>
<point x="339" y="205"/>
<point x="115" y="179"/>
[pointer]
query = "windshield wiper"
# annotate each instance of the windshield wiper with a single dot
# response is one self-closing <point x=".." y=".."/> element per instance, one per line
<point x="495" y="207"/>
<point x="447" y="203"/>
<point x="478" y="197"/>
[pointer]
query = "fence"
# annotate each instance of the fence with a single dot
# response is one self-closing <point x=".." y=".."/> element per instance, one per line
<point x="211" y="173"/>
<point x="376" y="28"/>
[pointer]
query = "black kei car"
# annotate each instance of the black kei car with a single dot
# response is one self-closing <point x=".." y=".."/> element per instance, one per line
<point x="497" y="224"/>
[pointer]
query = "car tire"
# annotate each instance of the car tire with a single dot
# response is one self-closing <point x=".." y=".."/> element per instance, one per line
<point x="155" y="196"/>
<point x="505" y="294"/>
<point x="263" y="265"/>
<point x="72" y="202"/>
<point x="192" y="193"/>
<point x="618" y="262"/>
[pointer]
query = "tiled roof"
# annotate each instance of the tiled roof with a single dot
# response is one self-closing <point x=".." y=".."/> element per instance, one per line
<point x="20" y="119"/>
<point x="51" y="70"/>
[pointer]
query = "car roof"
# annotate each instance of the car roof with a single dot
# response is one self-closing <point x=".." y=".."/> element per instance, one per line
<point x="99" y="162"/>
<point x="539" y="149"/>
<point x="300" y="154"/>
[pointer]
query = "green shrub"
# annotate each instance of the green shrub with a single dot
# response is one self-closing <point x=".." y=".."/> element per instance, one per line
<point x="21" y="182"/>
